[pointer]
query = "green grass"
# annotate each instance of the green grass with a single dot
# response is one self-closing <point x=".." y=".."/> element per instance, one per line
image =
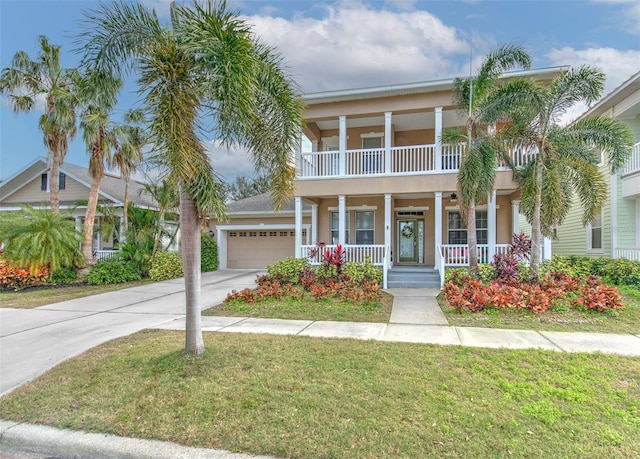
<point x="308" y="308"/>
<point x="625" y="320"/>
<point x="49" y="294"/>
<point x="330" y="398"/>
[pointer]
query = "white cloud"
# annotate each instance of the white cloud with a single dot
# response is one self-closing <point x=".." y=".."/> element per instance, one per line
<point x="353" y="45"/>
<point x="229" y="162"/>
<point x="630" y="15"/>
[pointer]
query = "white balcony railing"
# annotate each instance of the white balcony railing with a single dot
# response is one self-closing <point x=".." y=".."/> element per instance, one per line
<point x="628" y="253"/>
<point x="633" y="163"/>
<point x="410" y="159"/>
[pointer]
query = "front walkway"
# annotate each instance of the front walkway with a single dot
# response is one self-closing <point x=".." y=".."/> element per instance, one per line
<point x="417" y="318"/>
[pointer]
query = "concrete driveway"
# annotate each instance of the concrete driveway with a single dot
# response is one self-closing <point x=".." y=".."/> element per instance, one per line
<point x="33" y="341"/>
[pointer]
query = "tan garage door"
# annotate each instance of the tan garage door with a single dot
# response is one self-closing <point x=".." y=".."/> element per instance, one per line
<point x="257" y="249"/>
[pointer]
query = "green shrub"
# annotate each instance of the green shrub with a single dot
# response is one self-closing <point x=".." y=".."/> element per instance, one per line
<point x="325" y="273"/>
<point x="364" y="271"/>
<point x="166" y="265"/>
<point x="63" y="276"/>
<point x="621" y="272"/>
<point x="455" y="273"/>
<point x="615" y="271"/>
<point x="485" y="271"/>
<point x="289" y="269"/>
<point x="113" y="271"/>
<point x="208" y="254"/>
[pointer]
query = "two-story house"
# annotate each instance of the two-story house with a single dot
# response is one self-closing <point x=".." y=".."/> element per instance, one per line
<point x="379" y="182"/>
<point x="615" y="232"/>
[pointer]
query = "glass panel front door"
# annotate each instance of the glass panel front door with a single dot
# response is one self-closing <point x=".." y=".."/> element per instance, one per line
<point x="408" y="241"/>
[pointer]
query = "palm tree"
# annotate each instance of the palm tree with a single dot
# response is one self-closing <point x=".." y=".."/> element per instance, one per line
<point x="98" y="95"/>
<point x="477" y="169"/>
<point x="167" y="199"/>
<point x="26" y="81"/>
<point x="566" y="163"/>
<point x="206" y="63"/>
<point x="40" y="238"/>
<point x="128" y="156"/>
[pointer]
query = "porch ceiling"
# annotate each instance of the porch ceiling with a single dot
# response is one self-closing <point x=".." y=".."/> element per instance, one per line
<point x="401" y="121"/>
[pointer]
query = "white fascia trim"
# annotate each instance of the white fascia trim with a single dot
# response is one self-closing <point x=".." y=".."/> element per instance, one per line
<point x="258" y="227"/>
<point x="362" y="207"/>
<point x="410" y="208"/>
<point x="266" y="214"/>
<point x="372" y="135"/>
<point x="482" y="207"/>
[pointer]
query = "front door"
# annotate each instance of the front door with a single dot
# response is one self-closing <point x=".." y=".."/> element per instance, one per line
<point x="409" y="241"/>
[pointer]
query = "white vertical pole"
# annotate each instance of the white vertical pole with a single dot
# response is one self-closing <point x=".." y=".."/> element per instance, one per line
<point x="387" y="221"/>
<point x="438" y="228"/>
<point x="491" y="221"/>
<point x="387" y="142"/>
<point x="546" y="247"/>
<point x="221" y="239"/>
<point x="614" y="215"/>
<point x="314" y="224"/>
<point x="438" y="131"/>
<point x="342" y="219"/>
<point x="343" y="144"/>
<point x="515" y="217"/>
<point x="298" y="227"/>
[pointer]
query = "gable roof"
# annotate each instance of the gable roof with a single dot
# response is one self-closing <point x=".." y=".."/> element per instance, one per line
<point x="625" y="91"/>
<point x="262" y="205"/>
<point x="111" y="188"/>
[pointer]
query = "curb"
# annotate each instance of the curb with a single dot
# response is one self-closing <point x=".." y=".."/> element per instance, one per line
<point x="50" y="441"/>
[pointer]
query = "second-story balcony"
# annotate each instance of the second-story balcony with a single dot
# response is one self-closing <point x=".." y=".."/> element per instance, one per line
<point x="631" y="174"/>
<point x="405" y="160"/>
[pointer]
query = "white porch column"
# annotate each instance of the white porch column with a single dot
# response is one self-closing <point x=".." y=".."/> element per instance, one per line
<point x="614" y="214"/>
<point x="438" y="129"/>
<point x="438" y="228"/>
<point x="637" y="222"/>
<point x="78" y="221"/>
<point x="387" y="142"/>
<point x="342" y="219"/>
<point x="388" y="221"/>
<point x="491" y="221"/>
<point x="314" y="145"/>
<point x="298" y="226"/>
<point x="342" y="145"/>
<point x="221" y="239"/>
<point x="515" y="217"/>
<point x="546" y="248"/>
<point x="314" y="224"/>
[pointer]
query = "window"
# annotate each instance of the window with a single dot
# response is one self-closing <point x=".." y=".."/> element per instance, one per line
<point x="457" y="232"/>
<point x="594" y="233"/>
<point x="44" y="181"/>
<point x="371" y="160"/>
<point x="365" y="227"/>
<point x="334" y="228"/>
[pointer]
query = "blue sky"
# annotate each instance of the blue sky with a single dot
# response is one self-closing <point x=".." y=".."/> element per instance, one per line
<point x="346" y="44"/>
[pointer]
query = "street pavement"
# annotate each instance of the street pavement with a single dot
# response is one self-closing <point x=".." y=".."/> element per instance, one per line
<point x="33" y="341"/>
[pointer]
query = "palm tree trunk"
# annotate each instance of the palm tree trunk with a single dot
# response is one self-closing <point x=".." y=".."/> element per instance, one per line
<point x="54" y="184"/>
<point x="190" y="239"/>
<point x="125" y="214"/>
<point x="89" y="218"/>
<point x="472" y="239"/>
<point x="536" y="233"/>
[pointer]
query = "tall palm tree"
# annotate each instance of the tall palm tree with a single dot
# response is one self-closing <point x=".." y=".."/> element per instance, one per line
<point x="206" y="63"/>
<point x="566" y="163"/>
<point x="97" y="93"/>
<point x="40" y="238"/>
<point x="132" y="139"/>
<point x="26" y="81"/>
<point x="478" y="165"/>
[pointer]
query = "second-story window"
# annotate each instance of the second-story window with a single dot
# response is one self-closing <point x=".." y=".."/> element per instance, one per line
<point x="44" y="181"/>
<point x="372" y="160"/>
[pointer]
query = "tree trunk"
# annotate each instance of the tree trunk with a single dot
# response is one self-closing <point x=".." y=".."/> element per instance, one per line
<point x="190" y="239"/>
<point x="89" y="218"/>
<point x="472" y="239"/>
<point x="54" y="184"/>
<point x="536" y="233"/>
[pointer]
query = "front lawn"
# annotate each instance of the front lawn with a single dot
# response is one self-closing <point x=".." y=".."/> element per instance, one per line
<point x="311" y="398"/>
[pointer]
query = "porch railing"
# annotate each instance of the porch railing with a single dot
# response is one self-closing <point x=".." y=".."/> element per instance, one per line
<point x="458" y="254"/>
<point x="101" y="255"/>
<point x="410" y="159"/>
<point x="633" y="163"/>
<point x="631" y="253"/>
<point x="357" y="253"/>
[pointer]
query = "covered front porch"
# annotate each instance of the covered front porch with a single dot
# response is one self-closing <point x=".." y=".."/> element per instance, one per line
<point x="394" y="230"/>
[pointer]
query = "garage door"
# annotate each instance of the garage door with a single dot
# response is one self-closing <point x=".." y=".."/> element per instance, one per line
<point x="257" y="249"/>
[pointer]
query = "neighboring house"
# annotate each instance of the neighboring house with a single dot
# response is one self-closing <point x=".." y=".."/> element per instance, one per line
<point x="615" y="233"/>
<point x="380" y="183"/>
<point x="31" y="186"/>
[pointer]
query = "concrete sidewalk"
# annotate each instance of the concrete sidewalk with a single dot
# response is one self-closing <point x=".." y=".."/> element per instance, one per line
<point x="60" y="331"/>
